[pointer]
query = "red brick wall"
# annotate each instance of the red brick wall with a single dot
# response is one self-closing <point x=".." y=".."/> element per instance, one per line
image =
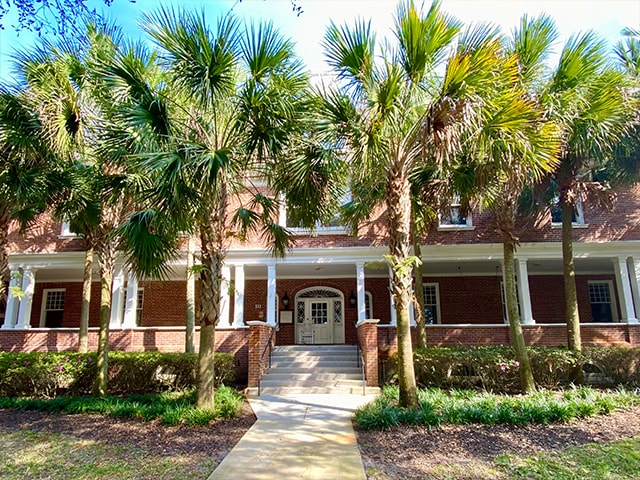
<point x="368" y="341"/>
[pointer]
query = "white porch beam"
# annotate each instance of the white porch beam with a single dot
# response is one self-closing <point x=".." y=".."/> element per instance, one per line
<point x="26" y="302"/>
<point x="360" y="292"/>
<point x="634" y="275"/>
<point x="131" y="305"/>
<point x="524" y="293"/>
<point x="271" y="295"/>
<point x="225" y="309"/>
<point x="624" y="290"/>
<point x="238" y="305"/>
<point x="11" y="313"/>
<point x="117" y="299"/>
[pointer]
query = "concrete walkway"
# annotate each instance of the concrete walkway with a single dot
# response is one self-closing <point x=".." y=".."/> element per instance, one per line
<point x="306" y="436"/>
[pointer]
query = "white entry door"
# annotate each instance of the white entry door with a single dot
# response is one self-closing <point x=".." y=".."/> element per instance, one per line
<point x="319" y="317"/>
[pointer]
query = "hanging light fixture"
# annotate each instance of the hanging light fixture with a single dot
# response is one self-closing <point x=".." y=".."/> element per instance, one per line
<point x="352" y="299"/>
<point x="285" y="300"/>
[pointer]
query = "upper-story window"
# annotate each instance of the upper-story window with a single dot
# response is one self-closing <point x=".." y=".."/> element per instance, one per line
<point x="331" y="227"/>
<point x="65" y="231"/>
<point x="577" y="215"/>
<point x="452" y="217"/>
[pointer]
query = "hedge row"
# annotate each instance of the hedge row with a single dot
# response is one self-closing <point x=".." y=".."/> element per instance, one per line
<point x="495" y="368"/>
<point x="48" y="375"/>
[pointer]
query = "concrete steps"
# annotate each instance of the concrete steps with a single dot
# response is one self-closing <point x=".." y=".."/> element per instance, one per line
<point x="297" y="369"/>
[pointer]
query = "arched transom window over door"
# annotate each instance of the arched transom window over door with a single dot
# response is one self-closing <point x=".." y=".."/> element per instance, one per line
<point x="319" y="316"/>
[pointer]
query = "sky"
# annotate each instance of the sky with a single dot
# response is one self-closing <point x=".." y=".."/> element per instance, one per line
<point x="607" y="17"/>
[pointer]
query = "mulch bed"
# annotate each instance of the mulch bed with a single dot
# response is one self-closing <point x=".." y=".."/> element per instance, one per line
<point x="400" y="453"/>
<point x="417" y="452"/>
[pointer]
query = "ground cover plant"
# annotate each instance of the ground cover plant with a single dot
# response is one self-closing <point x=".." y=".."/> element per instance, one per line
<point x="458" y="407"/>
<point x="172" y="408"/>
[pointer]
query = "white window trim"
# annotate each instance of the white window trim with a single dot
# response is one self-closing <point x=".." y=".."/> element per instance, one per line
<point x="437" y="285"/>
<point x="139" y="306"/>
<point x="612" y="296"/>
<point x="43" y="305"/>
<point x="65" y="231"/>
<point x="455" y="203"/>
<point x="579" y="223"/>
<point x="319" y="229"/>
<point x="368" y="295"/>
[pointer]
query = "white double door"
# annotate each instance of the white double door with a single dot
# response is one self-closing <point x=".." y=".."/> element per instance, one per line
<point x="320" y="321"/>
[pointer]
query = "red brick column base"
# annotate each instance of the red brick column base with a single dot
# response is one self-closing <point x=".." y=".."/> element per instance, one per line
<point x="259" y="334"/>
<point x="368" y="340"/>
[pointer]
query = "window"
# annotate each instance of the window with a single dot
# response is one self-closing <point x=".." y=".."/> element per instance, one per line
<point x="65" y="231"/>
<point x="577" y="216"/>
<point x="452" y="218"/>
<point x="368" y="305"/>
<point x="138" y="306"/>
<point x="52" y="308"/>
<point x="431" y="303"/>
<point x="602" y="305"/>
<point x="333" y="226"/>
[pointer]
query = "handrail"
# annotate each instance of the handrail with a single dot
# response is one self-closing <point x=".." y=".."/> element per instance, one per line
<point x="360" y="363"/>
<point x="268" y="346"/>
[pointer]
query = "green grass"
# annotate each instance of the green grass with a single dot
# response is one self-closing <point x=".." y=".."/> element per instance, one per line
<point x="459" y="407"/>
<point x="173" y="408"/>
<point x="40" y="455"/>
<point x="616" y="460"/>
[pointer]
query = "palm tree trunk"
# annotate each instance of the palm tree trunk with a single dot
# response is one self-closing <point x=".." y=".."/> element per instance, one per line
<point x="527" y="384"/>
<point x="418" y="295"/>
<point x="399" y="218"/>
<point x="4" y="251"/>
<point x="212" y="240"/>
<point x="191" y="297"/>
<point x="569" y="272"/>
<point x="106" y="258"/>
<point x="83" y="335"/>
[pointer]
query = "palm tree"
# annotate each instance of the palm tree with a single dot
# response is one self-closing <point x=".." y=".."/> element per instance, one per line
<point x="395" y="114"/>
<point x="587" y="99"/>
<point x="24" y="161"/>
<point x="75" y="107"/>
<point x="228" y="107"/>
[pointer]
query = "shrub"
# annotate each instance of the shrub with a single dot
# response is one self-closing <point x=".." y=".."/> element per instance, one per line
<point x="47" y="375"/>
<point x="611" y="366"/>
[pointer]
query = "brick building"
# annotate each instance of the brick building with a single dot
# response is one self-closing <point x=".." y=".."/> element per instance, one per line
<point x="331" y="280"/>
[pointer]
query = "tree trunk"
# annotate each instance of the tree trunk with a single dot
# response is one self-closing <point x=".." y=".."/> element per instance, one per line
<point x="527" y="384"/>
<point x="421" y="329"/>
<point x="83" y="336"/>
<point x="399" y="220"/>
<point x="4" y="251"/>
<point x="106" y="258"/>
<point x="569" y="272"/>
<point x="212" y="238"/>
<point x="191" y="296"/>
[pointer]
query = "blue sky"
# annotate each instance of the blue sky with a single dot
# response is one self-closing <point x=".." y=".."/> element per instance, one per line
<point x="607" y="17"/>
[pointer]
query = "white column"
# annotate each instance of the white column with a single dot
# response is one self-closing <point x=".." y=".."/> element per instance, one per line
<point x="634" y="273"/>
<point x="238" y="304"/>
<point x="624" y="290"/>
<point x="131" y="305"/>
<point x="117" y="299"/>
<point x="11" y="313"/>
<point x="26" y="302"/>
<point x="524" y="293"/>
<point x="360" y="289"/>
<point x="393" y="316"/>
<point x="271" y="295"/>
<point x="225" y="270"/>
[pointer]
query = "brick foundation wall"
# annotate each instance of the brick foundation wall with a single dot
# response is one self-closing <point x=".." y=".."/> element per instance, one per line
<point x="133" y="340"/>
<point x="368" y="340"/>
<point x="259" y="336"/>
